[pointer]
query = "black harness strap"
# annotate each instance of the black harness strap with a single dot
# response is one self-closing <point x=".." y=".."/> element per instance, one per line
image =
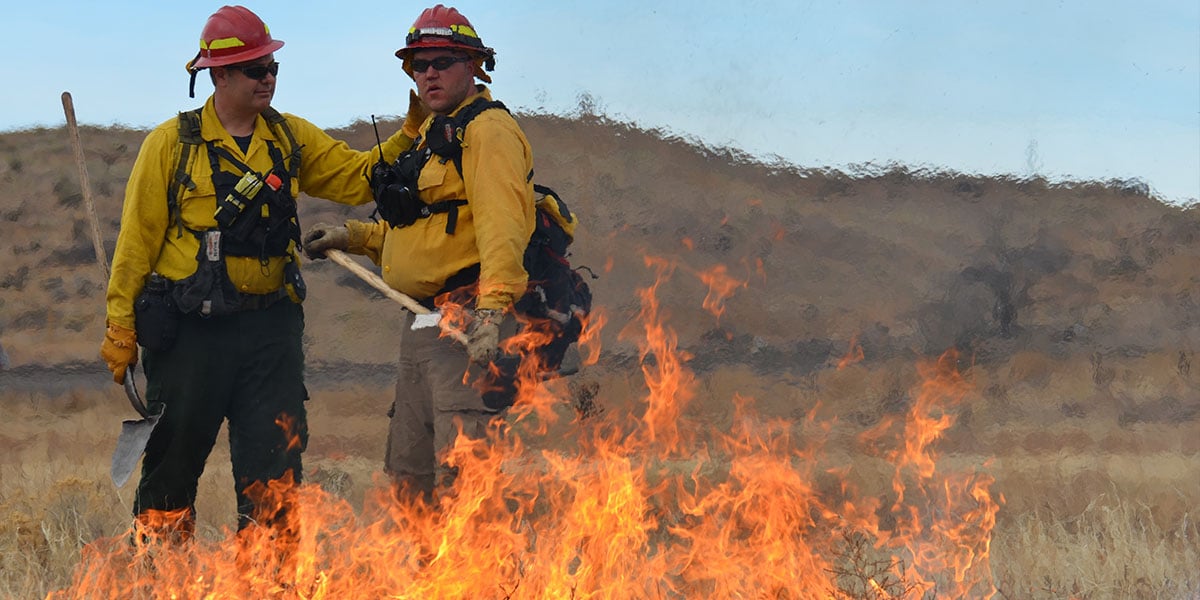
<point x="277" y="121"/>
<point x="445" y="138"/>
<point x="446" y="134"/>
<point x="450" y="207"/>
<point x="189" y="137"/>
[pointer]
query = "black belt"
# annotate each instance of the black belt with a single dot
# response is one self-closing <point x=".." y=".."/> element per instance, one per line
<point x="261" y="301"/>
<point x="457" y="282"/>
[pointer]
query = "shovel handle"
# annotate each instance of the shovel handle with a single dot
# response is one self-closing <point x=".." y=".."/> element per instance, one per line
<point x="378" y="283"/>
<point x="85" y="186"/>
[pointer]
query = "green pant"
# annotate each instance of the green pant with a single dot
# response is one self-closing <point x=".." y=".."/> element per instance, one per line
<point x="247" y="368"/>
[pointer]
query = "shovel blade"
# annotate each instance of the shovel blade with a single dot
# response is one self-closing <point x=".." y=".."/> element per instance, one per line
<point x="135" y="433"/>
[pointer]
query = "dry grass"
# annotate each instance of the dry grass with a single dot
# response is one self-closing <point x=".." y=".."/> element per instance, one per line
<point x="1116" y="547"/>
<point x="1079" y="521"/>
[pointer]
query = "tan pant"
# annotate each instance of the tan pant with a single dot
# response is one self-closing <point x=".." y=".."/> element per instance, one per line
<point x="431" y="404"/>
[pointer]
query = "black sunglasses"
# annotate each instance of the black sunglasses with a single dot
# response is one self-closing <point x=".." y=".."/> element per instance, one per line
<point x="258" y="72"/>
<point x="441" y="63"/>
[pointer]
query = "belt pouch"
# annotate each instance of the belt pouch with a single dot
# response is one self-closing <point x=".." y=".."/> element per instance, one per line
<point x="156" y="317"/>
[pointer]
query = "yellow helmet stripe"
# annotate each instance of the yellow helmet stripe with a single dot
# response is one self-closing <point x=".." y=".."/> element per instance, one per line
<point x="464" y="30"/>
<point x="222" y="44"/>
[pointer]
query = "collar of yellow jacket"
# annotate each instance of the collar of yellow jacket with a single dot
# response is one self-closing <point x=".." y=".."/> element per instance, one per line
<point x="483" y="92"/>
<point x="212" y="130"/>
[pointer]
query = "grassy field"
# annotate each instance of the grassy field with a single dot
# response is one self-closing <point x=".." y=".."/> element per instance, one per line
<point x="1082" y="509"/>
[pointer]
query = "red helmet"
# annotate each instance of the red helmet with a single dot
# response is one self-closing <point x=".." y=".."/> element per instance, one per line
<point x="442" y="27"/>
<point x="232" y="35"/>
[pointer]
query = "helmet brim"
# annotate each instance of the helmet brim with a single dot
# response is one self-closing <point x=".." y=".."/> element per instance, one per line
<point x="204" y="62"/>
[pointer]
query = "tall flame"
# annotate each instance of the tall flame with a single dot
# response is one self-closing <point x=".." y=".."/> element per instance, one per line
<point x="643" y="503"/>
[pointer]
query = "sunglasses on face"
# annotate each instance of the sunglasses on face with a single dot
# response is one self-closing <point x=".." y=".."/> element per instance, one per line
<point x="441" y="63"/>
<point x="257" y="72"/>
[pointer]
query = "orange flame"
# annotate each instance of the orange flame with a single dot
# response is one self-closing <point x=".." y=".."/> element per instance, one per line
<point x="640" y="503"/>
<point x="287" y="423"/>
<point x="721" y="287"/>
<point x="853" y="355"/>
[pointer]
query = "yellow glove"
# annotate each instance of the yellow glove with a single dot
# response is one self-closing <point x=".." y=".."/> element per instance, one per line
<point x="119" y="350"/>
<point x="483" y="336"/>
<point x="417" y="113"/>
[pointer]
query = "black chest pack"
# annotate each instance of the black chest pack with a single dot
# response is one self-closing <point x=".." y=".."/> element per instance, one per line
<point x="255" y="215"/>
<point x="255" y="211"/>
<point x="558" y="299"/>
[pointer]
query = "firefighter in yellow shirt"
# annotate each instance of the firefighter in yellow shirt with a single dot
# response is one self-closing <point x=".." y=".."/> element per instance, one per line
<point x="463" y="228"/>
<point x="205" y="274"/>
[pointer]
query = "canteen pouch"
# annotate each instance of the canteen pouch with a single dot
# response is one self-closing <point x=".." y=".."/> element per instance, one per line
<point x="156" y="316"/>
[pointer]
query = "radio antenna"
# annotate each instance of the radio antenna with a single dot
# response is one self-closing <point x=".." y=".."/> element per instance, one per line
<point x="378" y="142"/>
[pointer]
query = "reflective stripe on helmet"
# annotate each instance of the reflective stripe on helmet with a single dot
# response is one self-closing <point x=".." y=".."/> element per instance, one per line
<point x="463" y="34"/>
<point x="221" y="44"/>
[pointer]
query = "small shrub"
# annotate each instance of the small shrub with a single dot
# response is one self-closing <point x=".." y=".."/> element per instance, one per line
<point x="32" y="319"/>
<point x="54" y="287"/>
<point x="68" y="193"/>
<point x="17" y="280"/>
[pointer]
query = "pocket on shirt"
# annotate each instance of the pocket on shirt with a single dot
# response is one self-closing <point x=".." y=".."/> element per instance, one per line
<point x="433" y="175"/>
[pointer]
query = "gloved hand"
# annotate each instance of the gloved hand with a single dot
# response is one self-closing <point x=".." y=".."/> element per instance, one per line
<point x="119" y="350"/>
<point x="417" y="113"/>
<point x="483" y="336"/>
<point x="322" y="237"/>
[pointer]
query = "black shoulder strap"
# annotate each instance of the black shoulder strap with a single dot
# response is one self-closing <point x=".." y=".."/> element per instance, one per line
<point x="472" y="110"/>
<point x="189" y="138"/>
<point x="445" y="137"/>
<point x="458" y="128"/>
<point x="276" y="120"/>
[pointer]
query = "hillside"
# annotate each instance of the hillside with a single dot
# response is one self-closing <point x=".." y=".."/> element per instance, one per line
<point x="908" y="262"/>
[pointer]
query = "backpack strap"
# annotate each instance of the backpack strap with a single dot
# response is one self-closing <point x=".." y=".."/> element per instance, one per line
<point x="189" y="138"/>
<point x="278" y="121"/>
<point x="447" y="142"/>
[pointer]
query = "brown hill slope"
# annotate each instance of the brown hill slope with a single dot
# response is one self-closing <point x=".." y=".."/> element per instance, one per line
<point x="907" y="262"/>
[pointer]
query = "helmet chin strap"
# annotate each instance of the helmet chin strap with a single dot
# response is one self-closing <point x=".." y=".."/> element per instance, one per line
<point x="193" y="71"/>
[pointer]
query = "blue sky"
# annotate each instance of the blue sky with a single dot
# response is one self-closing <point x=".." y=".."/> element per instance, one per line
<point x="1070" y="90"/>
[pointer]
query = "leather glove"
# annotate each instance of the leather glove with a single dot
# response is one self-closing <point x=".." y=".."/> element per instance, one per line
<point x="483" y="336"/>
<point x="322" y="237"/>
<point x="119" y="350"/>
<point x="417" y="113"/>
